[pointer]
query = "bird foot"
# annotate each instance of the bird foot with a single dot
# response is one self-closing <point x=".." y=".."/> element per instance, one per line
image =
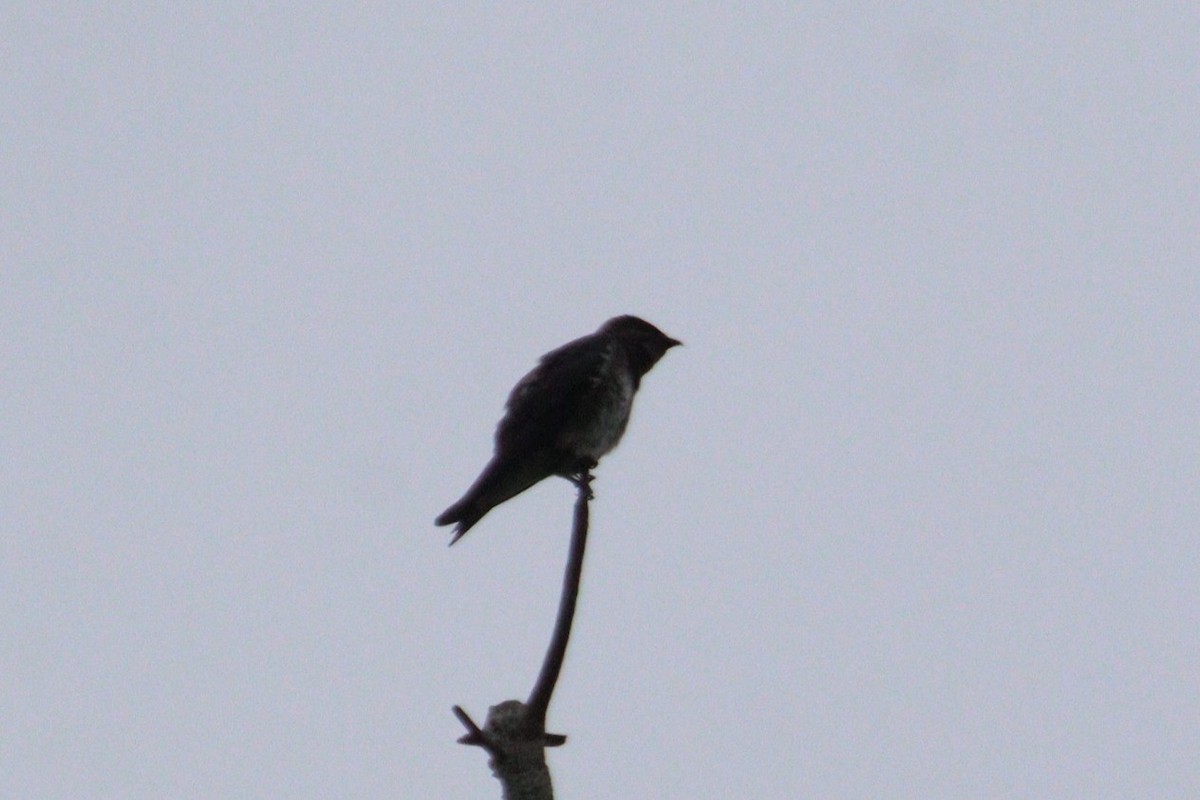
<point x="582" y="476"/>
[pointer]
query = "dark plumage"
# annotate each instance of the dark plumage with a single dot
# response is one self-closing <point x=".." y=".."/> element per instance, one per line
<point x="570" y="410"/>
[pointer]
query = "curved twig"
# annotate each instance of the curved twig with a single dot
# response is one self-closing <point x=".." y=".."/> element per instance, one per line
<point x="539" y="698"/>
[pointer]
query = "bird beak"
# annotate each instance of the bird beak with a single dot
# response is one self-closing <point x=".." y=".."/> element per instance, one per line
<point x="673" y="343"/>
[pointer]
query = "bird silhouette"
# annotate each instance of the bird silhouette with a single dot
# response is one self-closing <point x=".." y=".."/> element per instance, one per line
<point x="570" y="410"/>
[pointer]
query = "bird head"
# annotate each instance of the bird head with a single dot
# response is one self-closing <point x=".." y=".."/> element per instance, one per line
<point x="644" y="343"/>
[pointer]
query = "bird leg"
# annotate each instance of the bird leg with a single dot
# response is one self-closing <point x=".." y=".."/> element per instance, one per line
<point x="581" y="475"/>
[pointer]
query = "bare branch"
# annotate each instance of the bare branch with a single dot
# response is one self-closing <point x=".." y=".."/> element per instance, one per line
<point x="539" y="698"/>
<point x="515" y="733"/>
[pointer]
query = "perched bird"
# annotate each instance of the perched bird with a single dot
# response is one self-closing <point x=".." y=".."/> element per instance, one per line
<point x="564" y="415"/>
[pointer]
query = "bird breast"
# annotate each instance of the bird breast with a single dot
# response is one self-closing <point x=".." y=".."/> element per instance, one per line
<point x="600" y="428"/>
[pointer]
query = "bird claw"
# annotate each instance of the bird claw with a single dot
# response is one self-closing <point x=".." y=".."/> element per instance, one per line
<point x="582" y="476"/>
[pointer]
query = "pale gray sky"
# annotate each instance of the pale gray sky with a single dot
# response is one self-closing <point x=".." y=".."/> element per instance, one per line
<point x="913" y="514"/>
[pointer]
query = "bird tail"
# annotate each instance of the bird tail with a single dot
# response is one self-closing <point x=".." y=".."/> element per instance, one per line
<point x="465" y="512"/>
<point x="500" y="481"/>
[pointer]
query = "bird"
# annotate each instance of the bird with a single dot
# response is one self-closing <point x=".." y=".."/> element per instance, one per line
<point x="564" y="415"/>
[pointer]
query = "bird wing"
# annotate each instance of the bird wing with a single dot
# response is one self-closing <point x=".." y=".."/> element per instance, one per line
<point x="543" y="402"/>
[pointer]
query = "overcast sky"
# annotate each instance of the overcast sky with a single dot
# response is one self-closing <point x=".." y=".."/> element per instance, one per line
<point x="913" y="514"/>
